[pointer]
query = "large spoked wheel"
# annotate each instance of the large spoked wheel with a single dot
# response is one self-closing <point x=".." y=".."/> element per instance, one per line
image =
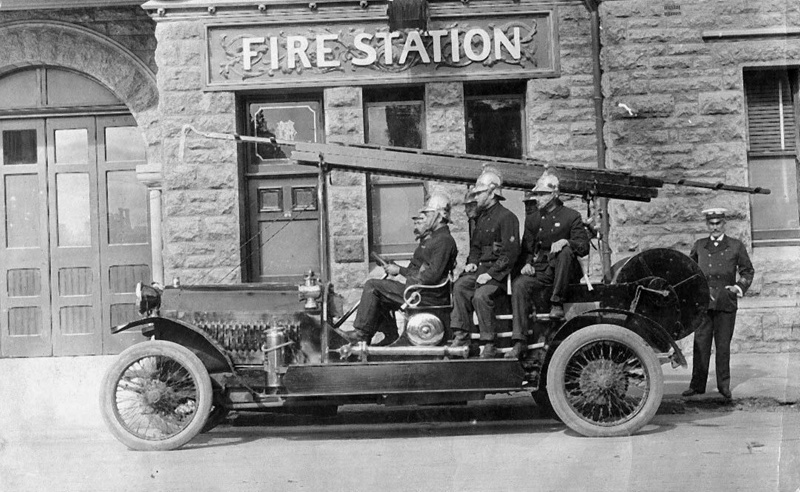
<point x="605" y="381"/>
<point x="157" y="396"/>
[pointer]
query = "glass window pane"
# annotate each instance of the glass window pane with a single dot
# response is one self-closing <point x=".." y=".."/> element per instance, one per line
<point x="66" y="88"/>
<point x="72" y="146"/>
<point x="20" y="90"/>
<point x="392" y="209"/>
<point x="779" y="209"/>
<point x="395" y="124"/>
<point x="128" y="221"/>
<point x="395" y="200"/>
<point x="72" y="201"/>
<point x="124" y="144"/>
<point x="22" y="211"/>
<point x="291" y="121"/>
<point x="19" y="147"/>
<point x="494" y="126"/>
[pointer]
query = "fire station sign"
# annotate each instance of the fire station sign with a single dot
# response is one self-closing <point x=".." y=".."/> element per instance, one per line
<point x="522" y="45"/>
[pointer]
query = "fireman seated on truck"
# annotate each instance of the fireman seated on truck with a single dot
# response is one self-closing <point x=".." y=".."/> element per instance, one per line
<point x="554" y="238"/>
<point x="493" y="251"/>
<point x="431" y="264"/>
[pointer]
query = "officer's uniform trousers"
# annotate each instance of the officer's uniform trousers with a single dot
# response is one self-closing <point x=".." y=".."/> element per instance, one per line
<point x="543" y="227"/>
<point x="432" y="262"/>
<point x="719" y="262"/>
<point x="494" y="248"/>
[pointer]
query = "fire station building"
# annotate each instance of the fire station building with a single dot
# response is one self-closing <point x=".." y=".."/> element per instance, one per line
<point x="107" y="179"/>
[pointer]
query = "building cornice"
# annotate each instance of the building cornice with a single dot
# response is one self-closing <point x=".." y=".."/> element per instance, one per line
<point x="254" y="9"/>
<point x="64" y="4"/>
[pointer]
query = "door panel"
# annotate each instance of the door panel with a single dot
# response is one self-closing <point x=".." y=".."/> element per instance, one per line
<point x="24" y="265"/>
<point x="282" y="209"/>
<point x="124" y="235"/>
<point x="74" y="259"/>
<point x="286" y="214"/>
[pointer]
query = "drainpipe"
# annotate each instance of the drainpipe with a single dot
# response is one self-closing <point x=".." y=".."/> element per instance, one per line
<point x="605" y="250"/>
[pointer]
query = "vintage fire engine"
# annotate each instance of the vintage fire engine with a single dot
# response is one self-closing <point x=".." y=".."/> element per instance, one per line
<point x="252" y="347"/>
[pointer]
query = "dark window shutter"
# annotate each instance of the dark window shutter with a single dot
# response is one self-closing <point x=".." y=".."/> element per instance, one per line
<point x="764" y="91"/>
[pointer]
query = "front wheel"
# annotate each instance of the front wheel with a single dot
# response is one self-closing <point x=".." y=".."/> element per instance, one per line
<point x="605" y="381"/>
<point x="156" y="396"/>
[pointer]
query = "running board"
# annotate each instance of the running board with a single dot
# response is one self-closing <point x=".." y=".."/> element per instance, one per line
<point x="485" y="375"/>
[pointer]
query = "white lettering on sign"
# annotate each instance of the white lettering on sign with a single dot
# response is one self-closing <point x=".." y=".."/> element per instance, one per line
<point x="247" y="52"/>
<point x="360" y="44"/>
<point x="323" y="50"/>
<point x="438" y="46"/>
<point x="296" y="47"/>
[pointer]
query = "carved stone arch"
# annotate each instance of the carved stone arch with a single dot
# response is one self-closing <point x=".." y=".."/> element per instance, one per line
<point x="64" y="45"/>
<point x="34" y="43"/>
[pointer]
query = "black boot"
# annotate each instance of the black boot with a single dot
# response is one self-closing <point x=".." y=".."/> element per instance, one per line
<point x="517" y="351"/>
<point x="356" y="336"/>
<point x="389" y="337"/>
<point x="461" y="338"/>
<point x="489" y="351"/>
<point x="557" y="311"/>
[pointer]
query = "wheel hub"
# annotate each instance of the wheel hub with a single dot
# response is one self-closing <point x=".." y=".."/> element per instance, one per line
<point x="600" y="378"/>
<point x="155" y="392"/>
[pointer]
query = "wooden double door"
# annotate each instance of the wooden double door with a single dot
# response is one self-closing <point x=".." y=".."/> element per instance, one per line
<point x="76" y="237"/>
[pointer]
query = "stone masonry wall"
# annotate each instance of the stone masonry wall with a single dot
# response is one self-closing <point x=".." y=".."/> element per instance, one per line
<point x="674" y="106"/>
<point x="200" y="188"/>
<point x="347" y="197"/>
<point x="129" y="26"/>
<point x="560" y="118"/>
<point x="445" y="132"/>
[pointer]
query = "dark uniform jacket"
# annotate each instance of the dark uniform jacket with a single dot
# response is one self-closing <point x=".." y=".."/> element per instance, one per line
<point x="433" y="260"/>
<point x="494" y="246"/>
<point x="720" y="264"/>
<point x="542" y="229"/>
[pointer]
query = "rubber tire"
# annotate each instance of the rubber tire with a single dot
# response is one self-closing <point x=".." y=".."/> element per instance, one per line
<point x="594" y="333"/>
<point x="185" y="358"/>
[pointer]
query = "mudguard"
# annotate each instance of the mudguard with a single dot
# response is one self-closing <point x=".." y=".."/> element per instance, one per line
<point x="203" y="346"/>
<point x="653" y="333"/>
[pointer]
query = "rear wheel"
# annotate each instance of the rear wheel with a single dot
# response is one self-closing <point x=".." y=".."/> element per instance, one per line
<point x="604" y="381"/>
<point x="156" y="396"/>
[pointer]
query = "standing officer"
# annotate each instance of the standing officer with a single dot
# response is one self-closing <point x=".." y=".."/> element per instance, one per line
<point x="553" y="239"/>
<point x="493" y="251"/>
<point x="432" y="262"/>
<point x="719" y="257"/>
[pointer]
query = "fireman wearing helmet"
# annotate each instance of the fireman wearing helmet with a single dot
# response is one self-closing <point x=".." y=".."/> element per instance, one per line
<point x="553" y="239"/>
<point x="494" y="248"/>
<point x="432" y="262"/>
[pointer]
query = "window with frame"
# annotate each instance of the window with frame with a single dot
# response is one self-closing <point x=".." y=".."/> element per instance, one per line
<point x="771" y="102"/>
<point x="394" y="118"/>
<point x="281" y="235"/>
<point x="494" y="119"/>
<point x="495" y="126"/>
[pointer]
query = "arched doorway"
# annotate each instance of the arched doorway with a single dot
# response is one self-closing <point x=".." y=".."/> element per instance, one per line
<point x="76" y="237"/>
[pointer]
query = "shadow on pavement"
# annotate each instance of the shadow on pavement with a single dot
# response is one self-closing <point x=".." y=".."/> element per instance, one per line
<point x="374" y="422"/>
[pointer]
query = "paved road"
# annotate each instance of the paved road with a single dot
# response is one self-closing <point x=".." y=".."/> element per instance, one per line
<point x="495" y="445"/>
